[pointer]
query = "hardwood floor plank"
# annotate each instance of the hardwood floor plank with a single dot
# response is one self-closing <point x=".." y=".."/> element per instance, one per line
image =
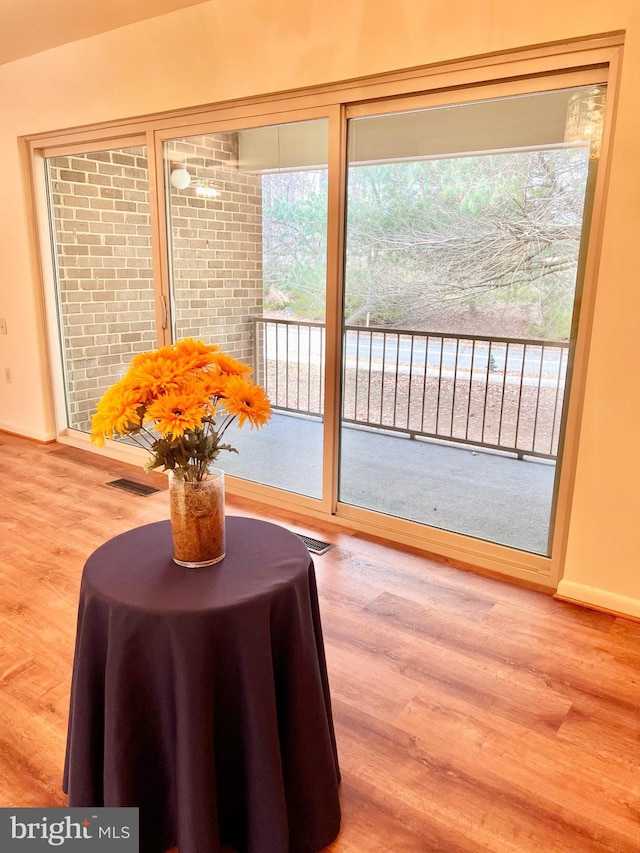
<point x="385" y="695"/>
<point x="523" y="763"/>
<point x="472" y="806"/>
<point x="614" y="738"/>
<point x="375" y="821"/>
<point x="517" y="694"/>
<point x="566" y="666"/>
<point x="579" y="660"/>
<point x="473" y="714"/>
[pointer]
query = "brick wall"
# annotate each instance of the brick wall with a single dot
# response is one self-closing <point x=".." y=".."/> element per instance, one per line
<point x="102" y="234"/>
<point x="216" y="245"/>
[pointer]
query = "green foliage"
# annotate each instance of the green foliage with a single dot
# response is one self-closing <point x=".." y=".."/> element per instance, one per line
<point x="488" y="229"/>
<point x="295" y="241"/>
<point x="188" y="454"/>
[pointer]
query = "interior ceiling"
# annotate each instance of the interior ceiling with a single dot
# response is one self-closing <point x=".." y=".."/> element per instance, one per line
<point x="31" y="26"/>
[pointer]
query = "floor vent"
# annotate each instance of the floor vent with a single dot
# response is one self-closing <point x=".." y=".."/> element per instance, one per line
<point x="133" y="487"/>
<point x="315" y="546"/>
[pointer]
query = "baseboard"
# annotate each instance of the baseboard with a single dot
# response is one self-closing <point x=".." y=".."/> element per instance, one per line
<point x="43" y="437"/>
<point x="599" y="599"/>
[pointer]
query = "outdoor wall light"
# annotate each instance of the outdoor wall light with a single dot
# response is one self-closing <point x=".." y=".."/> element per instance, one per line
<point x="180" y="178"/>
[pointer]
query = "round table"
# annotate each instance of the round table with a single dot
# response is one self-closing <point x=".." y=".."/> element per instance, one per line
<point x="201" y="695"/>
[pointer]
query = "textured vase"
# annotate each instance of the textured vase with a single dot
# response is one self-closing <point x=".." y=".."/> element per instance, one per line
<point x="197" y="519"/>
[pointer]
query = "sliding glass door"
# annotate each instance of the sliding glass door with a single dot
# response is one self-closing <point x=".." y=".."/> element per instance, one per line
<point x="463" y="243"/>
<point x="101" y="246"/>
<point x="402" y="275"/>
<point x="247" y="226"/>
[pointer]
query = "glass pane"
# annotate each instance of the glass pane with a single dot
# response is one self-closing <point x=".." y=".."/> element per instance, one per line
<point x="99" y="211"/>
<point x="464" y="231"/>
<point x="247" y="235"/>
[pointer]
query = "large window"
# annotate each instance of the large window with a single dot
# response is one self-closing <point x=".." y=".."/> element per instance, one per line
<point x="464" y="231"/>
<point x="247" y="223"/>
<point x="401" y="262"/>
<point x="101" y="243"/>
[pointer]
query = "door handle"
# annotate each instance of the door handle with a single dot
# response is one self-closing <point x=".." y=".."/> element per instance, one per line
<point x="165" y="311"/>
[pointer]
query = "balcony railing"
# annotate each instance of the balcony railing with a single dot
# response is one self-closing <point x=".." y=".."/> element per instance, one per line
<point x="500" y="393"/>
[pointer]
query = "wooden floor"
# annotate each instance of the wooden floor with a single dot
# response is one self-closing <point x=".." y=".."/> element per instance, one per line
<point x="471" y="714"/>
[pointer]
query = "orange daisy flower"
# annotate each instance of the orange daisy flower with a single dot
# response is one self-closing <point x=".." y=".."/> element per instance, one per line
<point x="156" y="376"/>
<point x="208" y="385"/>
<point x="231" y="366"/>
<point x="119" y="411"/>
<point x="176" y="388"/>
<point x="246" y="401"/>
<point x="175" y="414"/>
<point x="196" y="354"/>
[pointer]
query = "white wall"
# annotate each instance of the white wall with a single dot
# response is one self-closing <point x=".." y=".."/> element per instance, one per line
<point x="216" y="52"/>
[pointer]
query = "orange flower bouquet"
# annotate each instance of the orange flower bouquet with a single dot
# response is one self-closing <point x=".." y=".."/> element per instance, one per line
<point x="178" y="402"/>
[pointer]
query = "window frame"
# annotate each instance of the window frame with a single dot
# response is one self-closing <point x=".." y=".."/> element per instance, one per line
<point x="520" y="71"/>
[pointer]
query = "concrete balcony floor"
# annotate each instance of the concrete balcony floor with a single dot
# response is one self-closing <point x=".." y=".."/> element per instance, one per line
<point x="486" y="495"/>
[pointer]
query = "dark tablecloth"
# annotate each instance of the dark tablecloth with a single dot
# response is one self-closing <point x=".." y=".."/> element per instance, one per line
<point x="201" y="695"/>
